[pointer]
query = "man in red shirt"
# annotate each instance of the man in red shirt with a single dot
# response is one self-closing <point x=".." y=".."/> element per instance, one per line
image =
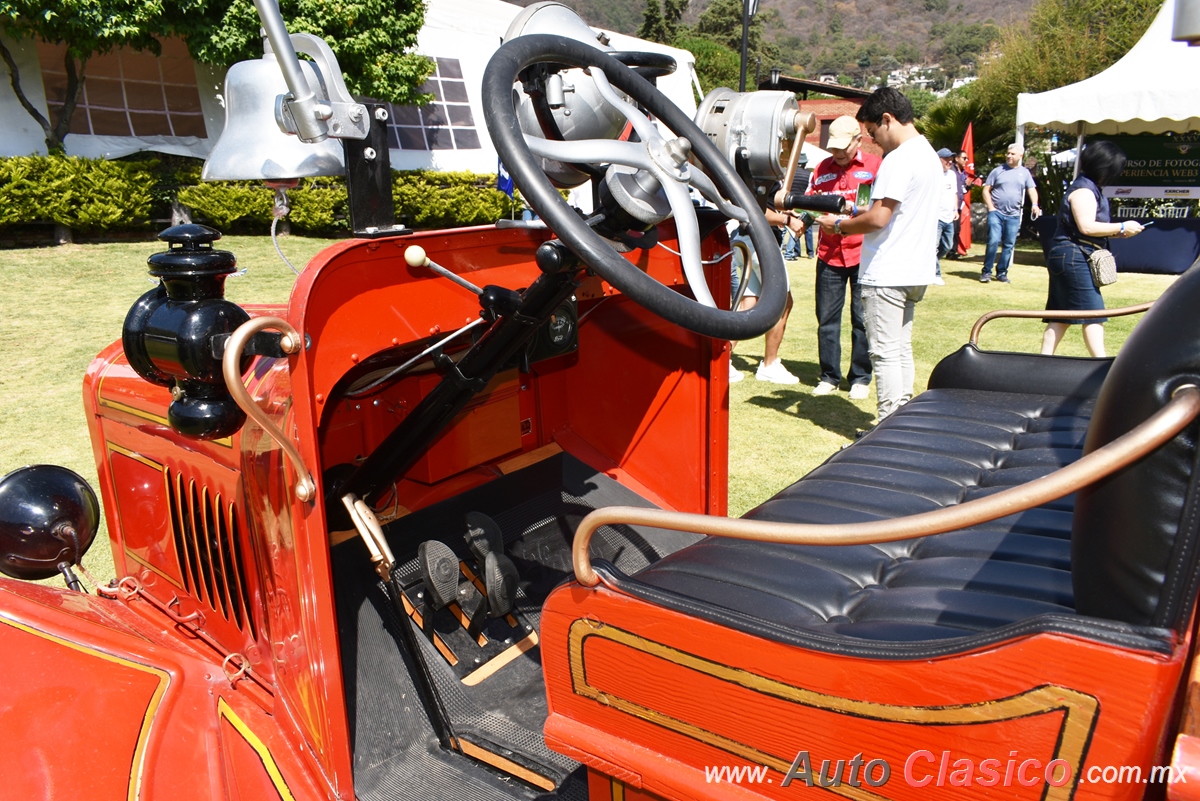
<point x="837" y="262"/>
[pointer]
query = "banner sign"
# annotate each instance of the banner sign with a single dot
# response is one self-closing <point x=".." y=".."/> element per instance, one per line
<point x="1159" y="166"/>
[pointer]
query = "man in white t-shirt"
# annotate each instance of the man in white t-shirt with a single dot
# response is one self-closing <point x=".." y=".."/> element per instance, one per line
<point x="948" y="207"/>
<point x="899" y="255"/>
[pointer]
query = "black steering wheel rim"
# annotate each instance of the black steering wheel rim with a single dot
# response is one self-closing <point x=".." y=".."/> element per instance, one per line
<point x="500" y="116"/>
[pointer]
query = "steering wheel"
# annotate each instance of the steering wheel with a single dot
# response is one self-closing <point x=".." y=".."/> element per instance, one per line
<point x="666" y="159"/>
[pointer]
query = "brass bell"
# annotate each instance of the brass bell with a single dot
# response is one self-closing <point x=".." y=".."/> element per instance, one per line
<point x="253" y="146"/>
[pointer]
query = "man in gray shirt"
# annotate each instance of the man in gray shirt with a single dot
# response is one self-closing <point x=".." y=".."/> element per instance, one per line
<point x="1004" y="196"/>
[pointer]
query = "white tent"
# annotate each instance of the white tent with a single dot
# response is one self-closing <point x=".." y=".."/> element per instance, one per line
<point x="1154" y="88"/>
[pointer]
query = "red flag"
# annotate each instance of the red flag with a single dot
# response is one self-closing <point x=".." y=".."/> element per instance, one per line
<point x="964" y="217"/>
<point x="968" y="146"/>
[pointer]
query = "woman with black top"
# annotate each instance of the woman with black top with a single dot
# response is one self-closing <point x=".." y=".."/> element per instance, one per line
<point x="1083" y="219"/>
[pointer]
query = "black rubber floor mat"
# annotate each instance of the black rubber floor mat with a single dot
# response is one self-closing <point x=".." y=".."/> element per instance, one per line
<point x="501" y="716"/>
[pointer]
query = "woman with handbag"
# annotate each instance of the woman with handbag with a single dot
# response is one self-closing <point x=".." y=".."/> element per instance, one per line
<point x="1083" y="220"/>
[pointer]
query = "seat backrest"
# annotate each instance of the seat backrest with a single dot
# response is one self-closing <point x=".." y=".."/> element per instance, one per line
<point x="1135" y="541"/>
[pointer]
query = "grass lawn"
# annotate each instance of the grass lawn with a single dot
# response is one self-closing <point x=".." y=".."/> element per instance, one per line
<point x="59" y="307"/>
<point x="779" y="433"/>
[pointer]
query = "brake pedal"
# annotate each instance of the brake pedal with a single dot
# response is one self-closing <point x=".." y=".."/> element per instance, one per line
<point x="483" y="536"/>
<point x="439" y="572"/>
<point x="500" y="583"/>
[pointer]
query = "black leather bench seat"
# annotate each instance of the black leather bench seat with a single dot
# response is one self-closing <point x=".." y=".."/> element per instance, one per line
<point x="945" y="447"/>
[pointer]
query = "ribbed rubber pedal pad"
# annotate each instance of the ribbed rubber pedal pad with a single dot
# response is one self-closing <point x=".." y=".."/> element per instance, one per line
<point x="483" y="536"/>
<point x="439" y="571"/>
<point x="500" y="582"/>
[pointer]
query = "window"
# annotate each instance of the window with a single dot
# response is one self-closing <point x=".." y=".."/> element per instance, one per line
<point x="445" y="124"/>
<point x="128" y="93"/>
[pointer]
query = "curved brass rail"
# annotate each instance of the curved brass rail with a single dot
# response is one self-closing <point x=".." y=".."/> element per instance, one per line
<point x="1074" y="315"/>
<point x="1164" y="424"/>
<point x="291" y="342"/>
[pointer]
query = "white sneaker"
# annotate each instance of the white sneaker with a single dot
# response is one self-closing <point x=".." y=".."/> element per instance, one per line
<point x="775" y="373"/>
<point x="735" y="375"/>
<point x="860" y="391"/>
<point x="824" y="388"/>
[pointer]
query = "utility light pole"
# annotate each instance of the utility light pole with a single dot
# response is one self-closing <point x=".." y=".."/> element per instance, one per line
<point x="749" y="8"/>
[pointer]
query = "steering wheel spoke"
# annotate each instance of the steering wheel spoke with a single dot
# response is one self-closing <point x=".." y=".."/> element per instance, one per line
<point x="645" y="129"/>
<point x="687" y="228"/>
<point x="592" y="151"/>
<point x="708" y="190"/>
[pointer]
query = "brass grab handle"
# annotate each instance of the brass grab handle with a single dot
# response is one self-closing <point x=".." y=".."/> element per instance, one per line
<point x="1074" y="315"/>
<point x="291" y="342"/>
<point x="1126" y="449"/>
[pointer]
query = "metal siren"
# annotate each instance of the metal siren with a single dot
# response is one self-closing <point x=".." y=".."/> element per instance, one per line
<point x="252" y="147"/>
<point x="571" y="101"/>
<point x="48" y="519"/>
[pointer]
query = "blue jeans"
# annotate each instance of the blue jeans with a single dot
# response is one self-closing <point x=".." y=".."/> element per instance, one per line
<point x="791" y="250"/>
<point x="791" y="245"/>
<point x="945" y="238"/>
<point x="830" y="300"/>
<point x="1002" y="233"/>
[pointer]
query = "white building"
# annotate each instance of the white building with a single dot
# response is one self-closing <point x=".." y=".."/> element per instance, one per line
<point x="134" y="101"/>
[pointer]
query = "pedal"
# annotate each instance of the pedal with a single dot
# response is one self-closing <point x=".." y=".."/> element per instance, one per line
<point x="474" y="607"/>
<point x="500" y="583"/>
<point x="483" y="536"/>
<point x="439" y="571"/>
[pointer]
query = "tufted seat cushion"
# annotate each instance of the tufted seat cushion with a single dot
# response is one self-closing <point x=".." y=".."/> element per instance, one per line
<point x="945" y="447"/>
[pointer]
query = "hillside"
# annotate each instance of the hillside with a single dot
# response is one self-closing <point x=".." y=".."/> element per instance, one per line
<point x="852" y="37"/>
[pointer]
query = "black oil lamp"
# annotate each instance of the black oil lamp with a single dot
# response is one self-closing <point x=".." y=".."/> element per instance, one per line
<point x="174" y="334"/>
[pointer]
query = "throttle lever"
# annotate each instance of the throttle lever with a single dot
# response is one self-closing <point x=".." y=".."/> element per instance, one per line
<point x="416" y="257"/>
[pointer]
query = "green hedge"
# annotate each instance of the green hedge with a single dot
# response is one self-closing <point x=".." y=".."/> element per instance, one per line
<point x="428" y="199"/>
<point x="94" y="194"/>
<point x="85" y="194"/>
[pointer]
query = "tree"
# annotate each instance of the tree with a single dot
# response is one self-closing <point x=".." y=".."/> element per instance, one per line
<point x="721" y="22"/>
<point x="672" y="15"/>
<point x="653" y="29"/>
<point x="369" y="37"/>
<point x="1059" y="44"/>
<point x="716" y="65"/>
<point x="372" y="39"/>
<point x="945" y="123"/>
<point x="922" y="100"/>
<point x="87" y="28"/>
<point x="907" y="53"/>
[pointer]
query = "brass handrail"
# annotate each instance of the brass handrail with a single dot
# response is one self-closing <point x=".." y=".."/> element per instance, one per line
<point x="1052" y="313"/>
<point x="231" y="369"/>
<point x="1126" y="449"/>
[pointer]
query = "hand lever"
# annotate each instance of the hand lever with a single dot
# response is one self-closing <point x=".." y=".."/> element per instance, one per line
<point x="415" y="256"/>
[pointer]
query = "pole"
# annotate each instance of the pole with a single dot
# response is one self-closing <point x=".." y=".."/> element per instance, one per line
<point x="745" y="43"/>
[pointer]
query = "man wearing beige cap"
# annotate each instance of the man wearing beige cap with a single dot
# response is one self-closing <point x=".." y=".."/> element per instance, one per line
<point x="837" y="263"/>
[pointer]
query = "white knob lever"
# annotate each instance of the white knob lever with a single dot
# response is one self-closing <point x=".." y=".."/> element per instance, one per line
<point x="415" y="256"/>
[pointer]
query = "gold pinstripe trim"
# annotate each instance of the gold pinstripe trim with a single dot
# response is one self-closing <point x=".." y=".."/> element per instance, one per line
<point x="137" y="457"/>
<point x="259" y="747"/>
<point x="224" y="442"/>
<point x="1080" y="709"/>
<point x="164" y="680"/>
